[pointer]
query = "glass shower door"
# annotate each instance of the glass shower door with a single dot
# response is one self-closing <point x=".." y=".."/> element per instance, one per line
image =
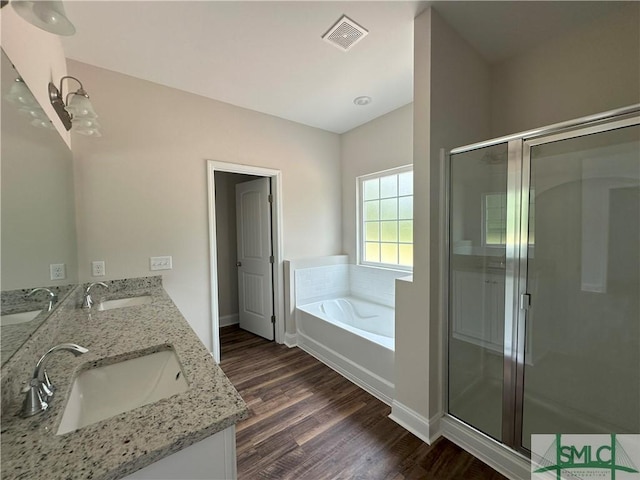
<point x="581" y="371"/>
<point x="477" y="233"/>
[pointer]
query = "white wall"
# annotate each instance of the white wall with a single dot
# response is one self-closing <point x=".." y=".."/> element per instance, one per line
<point x="142" y="186"/>
<point x="38" y="57"/>
<point x="591" y="70"/>
<point x="381" y="144"/>
<point x="451" y="107"/>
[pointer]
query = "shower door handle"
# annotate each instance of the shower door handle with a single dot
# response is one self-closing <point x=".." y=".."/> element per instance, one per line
<point x="525" y="301"/>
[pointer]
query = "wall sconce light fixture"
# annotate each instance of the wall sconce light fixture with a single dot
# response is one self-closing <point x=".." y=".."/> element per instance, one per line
<point x="75" y="110"/>
<point x="20" y="96"/>
<point x="46" y="15"/>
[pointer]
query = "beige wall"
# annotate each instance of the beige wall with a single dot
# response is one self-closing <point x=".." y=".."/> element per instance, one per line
<point x="451" y="107"/>
<point x="457" y="100"/>
<point x="227" y="251"/>
<point x="591" y="70"/>
<point x="383" y="143"/>
<point x="142" y="186"/>
<point x="38" y="57"/>
<point x="38" y="208"/>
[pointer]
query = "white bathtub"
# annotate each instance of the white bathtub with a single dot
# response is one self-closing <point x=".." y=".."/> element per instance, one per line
<point x="355" y="338"/>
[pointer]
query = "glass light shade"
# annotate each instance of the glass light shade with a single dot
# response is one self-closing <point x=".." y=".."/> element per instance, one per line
<point x="42" y="123"/>
<point x="91" y="132"/>
<point x="32" y="112"/>
<point x="46" y="15"/>
<point x="83" y="123"/>
<point x="80" y="107"/>
<point x="86" y="126"/>
<point x="19" y="94"/>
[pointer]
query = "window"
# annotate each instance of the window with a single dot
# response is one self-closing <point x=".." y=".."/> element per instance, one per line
<point x="386" y="219"/>
<point x="495" y="219"/>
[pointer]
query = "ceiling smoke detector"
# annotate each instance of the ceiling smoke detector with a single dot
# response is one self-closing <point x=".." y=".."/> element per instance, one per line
<point x="345" y="33"/>
<point x="362" y="101"/>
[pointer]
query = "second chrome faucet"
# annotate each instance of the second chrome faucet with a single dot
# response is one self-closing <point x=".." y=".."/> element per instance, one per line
<point x="87" y="301"/>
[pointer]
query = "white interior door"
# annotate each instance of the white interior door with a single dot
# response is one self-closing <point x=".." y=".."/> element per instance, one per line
<point x="255" y="280"/>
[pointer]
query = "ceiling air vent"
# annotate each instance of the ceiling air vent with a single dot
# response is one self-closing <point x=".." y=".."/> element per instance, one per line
<point x="344" y="34"/>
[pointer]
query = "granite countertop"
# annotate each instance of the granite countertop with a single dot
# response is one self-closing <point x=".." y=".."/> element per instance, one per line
<point x="16" y="301"/>
<point x="122" y="444"/>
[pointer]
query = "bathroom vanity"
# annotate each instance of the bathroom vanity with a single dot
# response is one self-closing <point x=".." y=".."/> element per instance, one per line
<point x="190" y="434"/>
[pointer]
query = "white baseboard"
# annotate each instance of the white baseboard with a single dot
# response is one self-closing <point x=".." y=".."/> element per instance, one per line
<point x="291" y="339"/>
<point x="228" y="320"/>
<point x="427" y="430"/>
<point x="365" y="379"/>
<point x="509" y="463"/>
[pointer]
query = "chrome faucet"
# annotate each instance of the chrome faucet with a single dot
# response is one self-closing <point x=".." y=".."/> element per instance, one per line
<point x="53" y="298"/>
<point x="40" y="389"/>
<point x="87" y="302"/>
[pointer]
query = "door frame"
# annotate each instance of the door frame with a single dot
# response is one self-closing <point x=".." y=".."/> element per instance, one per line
<point x="277" y="243"/>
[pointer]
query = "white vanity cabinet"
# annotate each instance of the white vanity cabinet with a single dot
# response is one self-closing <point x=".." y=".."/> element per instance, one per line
<point x="478" y="309"/>
<point x="213" y="458"/>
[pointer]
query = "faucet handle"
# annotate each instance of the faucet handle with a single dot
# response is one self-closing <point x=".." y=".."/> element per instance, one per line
<point x="87" y="301"/>
<point x="46" y="386"/>
<point x="40" y="390"/>
<point x="34" y="401"/>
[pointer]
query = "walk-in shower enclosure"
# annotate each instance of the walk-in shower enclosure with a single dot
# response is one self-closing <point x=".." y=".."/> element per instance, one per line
<point x="544" y="281"/>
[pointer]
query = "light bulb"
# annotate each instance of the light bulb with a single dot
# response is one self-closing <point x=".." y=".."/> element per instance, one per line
<point x="45" y="13"/>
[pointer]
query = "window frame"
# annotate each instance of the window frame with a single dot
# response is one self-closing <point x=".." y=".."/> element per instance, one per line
<point x="485" y="219"/>
<point x="360" y="222"/>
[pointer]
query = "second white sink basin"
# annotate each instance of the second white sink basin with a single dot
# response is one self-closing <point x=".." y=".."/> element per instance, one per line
<point x="124" y="302"/>
<point x="14" y="318"/>
<point x="103" y="392"/>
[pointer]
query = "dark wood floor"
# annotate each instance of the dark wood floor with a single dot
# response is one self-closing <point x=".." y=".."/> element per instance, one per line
<point x="309" y="422"/>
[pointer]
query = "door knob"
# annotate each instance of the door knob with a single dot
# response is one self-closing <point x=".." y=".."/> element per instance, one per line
<point x="238" y="264"/>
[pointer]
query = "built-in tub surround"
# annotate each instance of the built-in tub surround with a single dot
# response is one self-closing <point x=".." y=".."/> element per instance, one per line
<point x="364" y="354"/>
<point x="129" y="441"/>
<point x="359" y="346"/>
<point x="376" y="285"/>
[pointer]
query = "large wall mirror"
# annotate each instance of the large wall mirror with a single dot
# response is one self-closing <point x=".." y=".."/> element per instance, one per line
<point x="37" y="213"/>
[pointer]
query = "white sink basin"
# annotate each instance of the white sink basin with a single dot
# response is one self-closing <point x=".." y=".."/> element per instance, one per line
<point x="15" y="318"/>
<point x="103" y="392"/>
<point x="124" y="302"/>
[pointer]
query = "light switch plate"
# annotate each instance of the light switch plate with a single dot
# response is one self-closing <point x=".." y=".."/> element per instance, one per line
<point x="161" y="263"/>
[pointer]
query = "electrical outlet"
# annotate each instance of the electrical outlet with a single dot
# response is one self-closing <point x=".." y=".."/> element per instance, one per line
<point x="97" y="268"/>
<point x="160" y="263"/>
<point x="57" y="271"/>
